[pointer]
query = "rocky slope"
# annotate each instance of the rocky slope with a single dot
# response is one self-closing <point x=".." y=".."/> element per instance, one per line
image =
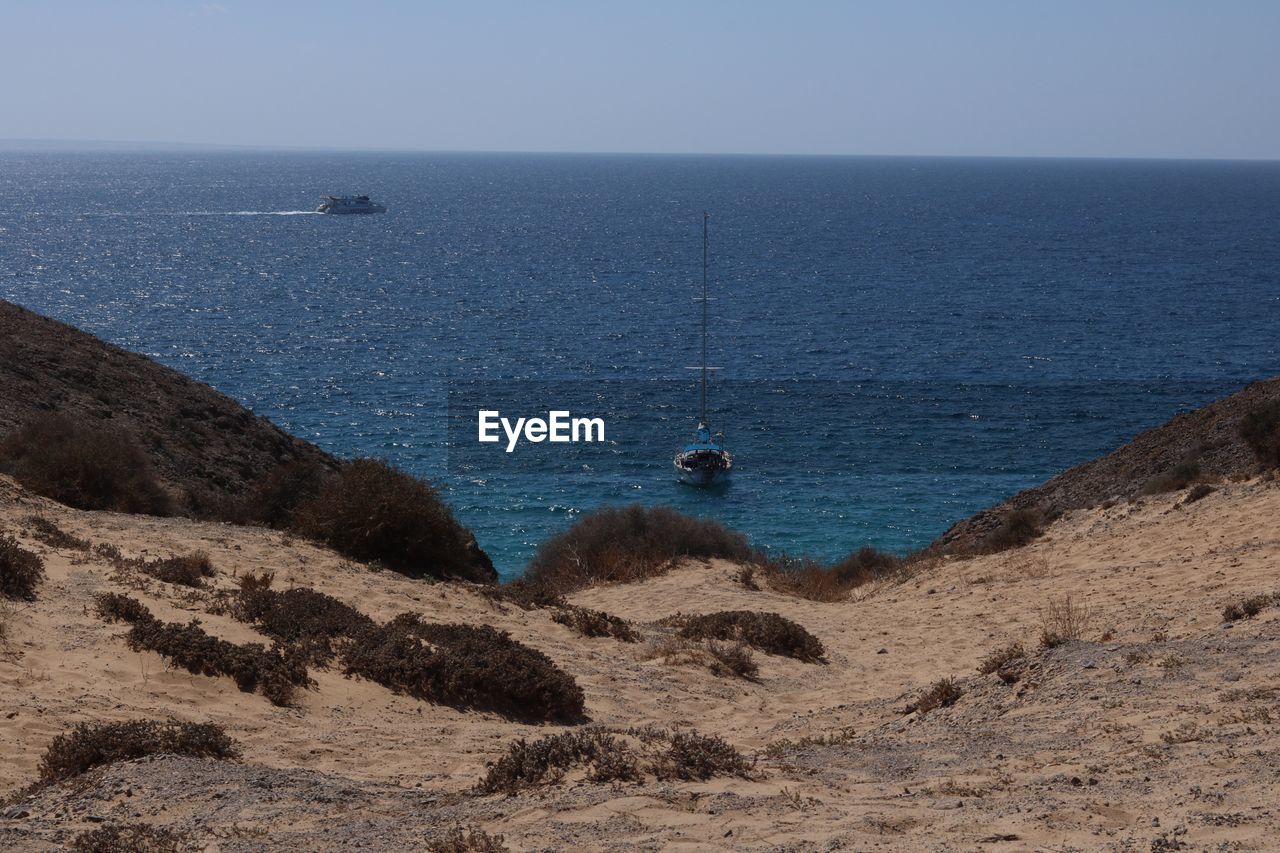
<point x="1209" y="437"/>
<point x="206" y="447"/>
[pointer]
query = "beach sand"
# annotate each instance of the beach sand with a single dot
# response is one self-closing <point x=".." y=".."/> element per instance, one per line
<point x="1159" y="728"/>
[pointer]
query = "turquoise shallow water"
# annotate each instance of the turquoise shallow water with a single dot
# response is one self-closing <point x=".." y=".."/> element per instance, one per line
<point x="902" y="341"/>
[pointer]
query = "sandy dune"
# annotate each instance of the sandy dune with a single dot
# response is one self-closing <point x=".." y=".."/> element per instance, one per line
<point x="1159" y="729"/>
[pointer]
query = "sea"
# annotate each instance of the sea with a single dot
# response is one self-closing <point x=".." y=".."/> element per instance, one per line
<point x="898" y="342"/>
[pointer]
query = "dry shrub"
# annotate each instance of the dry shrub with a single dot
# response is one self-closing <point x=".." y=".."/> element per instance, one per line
<point x="624" y="544"/>
<point x="943" y="693"/>
<point x="1249" y="607"/>
<point x="308" y="621"/>
<point x="84" y="466"/>
<point x="54" y="536"/>
<point x="803" y="578"/>
<point x="865" y="565"/>
<point x="21" y="571"/>
<point x="183" y="570"/>
<point x="768" y="632"/>
<point x="275" y="497"/>
<point x="721" y="659"/>
<point x="810" y="579"/>
<point x="188" y="570"/>
<point x="595" y="623"/>
<point x="1001" y="658"/>
<point x="373" y="512"/>
<point x="469" y="840"/>
<point x="114" y="607"/>
<point x="524" y="594"/>
<point x="746" y="578"/>
<point x="127" y="838"/>
<point x="250" y="582"/>
<point x="1198" y="492"/>
<point x="1029" y="566"/>
<point x="1063" y="620"/>
<point x="732" y="659"/>
<point x="692" y="757"/>
<point x="1018" y="528"/>
<point x="1181" y="475"/>
<point x="1260" y="429"/>
<point x="611" y="755"/>
<point x="91" y="745"/>
<point x="275" y="673"/>
<point x="606" y="757"/>
<point x="252" y="666"/>
<point x="465" y="666"/>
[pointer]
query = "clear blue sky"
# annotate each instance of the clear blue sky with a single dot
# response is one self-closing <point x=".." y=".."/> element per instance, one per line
<point x="1144" y="78"/>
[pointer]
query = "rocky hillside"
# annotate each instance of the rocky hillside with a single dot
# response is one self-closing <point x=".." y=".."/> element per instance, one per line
<point x="1206" y="440"/>
<point x="205" y="447"/>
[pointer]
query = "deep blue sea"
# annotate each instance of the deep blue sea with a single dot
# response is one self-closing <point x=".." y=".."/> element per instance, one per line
<point x="901" y="341"/>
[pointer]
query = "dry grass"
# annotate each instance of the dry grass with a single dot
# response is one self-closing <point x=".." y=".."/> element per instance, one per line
<point x="128" y="838"/>
<point x="722" y="660"/>
<point x="812" y="580"/>
<point x="943" y="693"/>
<point x="1249" y="607"/>
<point x="1001" y="658"/>
<point x="1029" y="566"/>
<point x="595" y="623"/>
<point x="1063" y="620"/>
<point x="468" y="840"/>
<point x="805" y="579"/>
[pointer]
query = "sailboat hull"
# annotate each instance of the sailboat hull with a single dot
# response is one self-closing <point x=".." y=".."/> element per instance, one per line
<point x="702" y="476"/>
<point x="703" y="465"/>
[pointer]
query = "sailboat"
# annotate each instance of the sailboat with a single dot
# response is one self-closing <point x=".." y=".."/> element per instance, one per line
<point x="704" y="461"/>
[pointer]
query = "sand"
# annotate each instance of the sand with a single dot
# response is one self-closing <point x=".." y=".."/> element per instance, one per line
<point x="1158" y="729"/>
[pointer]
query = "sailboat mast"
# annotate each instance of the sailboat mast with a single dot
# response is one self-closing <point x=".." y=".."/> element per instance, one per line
<point x="705" y="217"/>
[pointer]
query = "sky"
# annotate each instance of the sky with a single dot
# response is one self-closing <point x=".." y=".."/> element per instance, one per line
<point x="1120" y="78"/>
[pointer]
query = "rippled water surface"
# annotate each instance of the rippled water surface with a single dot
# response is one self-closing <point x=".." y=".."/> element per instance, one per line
<point x="902" y="341"/>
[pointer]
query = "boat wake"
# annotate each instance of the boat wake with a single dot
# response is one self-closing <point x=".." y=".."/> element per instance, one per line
<point x="273" y="213"/>
<point x="210" y="213"/>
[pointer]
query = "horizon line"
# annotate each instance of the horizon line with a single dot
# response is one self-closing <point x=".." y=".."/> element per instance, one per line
<point x="41" y="144"/>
